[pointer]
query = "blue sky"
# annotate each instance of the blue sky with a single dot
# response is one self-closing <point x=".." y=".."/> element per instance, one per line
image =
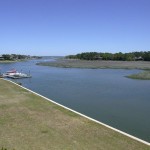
<point x="63" y="27"/>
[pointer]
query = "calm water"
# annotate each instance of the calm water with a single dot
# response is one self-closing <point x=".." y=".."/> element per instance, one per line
<point x="103" y="94"/>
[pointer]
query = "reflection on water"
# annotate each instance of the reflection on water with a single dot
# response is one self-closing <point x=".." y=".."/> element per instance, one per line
<point x="103" y="94"/>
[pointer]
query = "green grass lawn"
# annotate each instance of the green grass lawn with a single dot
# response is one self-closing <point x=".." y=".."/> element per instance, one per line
<point x="29" y="122"/>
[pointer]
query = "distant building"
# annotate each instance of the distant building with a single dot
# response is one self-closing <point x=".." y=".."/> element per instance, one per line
<point x="98" y="58"/>
<point x="1" y="57"/>
<point x="138" y="58"/>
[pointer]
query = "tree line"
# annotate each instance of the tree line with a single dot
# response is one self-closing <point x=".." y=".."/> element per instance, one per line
<point x="17" y="57"/>
<point x="132" y="56"/>
<point x="14" y="56"/>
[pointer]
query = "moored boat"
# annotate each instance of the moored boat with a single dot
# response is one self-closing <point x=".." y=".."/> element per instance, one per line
<point x="14" y="74"/>
<point x="10" y="72"/>
<point x="19" y="76"/>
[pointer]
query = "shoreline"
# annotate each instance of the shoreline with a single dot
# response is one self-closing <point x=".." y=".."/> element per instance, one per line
<point x="11" y="61"/>
<point x="7" y="61"/>
<point x="82" y="115"/>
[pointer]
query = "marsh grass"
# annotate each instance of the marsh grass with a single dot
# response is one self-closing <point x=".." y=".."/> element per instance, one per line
<point x="145" y="75"/>
<point x="99" y="64"/>
<point x="28" y="121"/>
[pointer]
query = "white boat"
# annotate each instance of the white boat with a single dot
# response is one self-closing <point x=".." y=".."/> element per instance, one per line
<point x="19" y="76"/>
<point x="11" y="72"/>
<point x="14" y="74"/>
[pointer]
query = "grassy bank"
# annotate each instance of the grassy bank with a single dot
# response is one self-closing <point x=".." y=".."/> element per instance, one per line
<point x="11" y="61"/>
<point x="6" y="61"/>
<point x="71" y="63"/>
<point x="28" y="122"/>
<point x="145" y="75"/>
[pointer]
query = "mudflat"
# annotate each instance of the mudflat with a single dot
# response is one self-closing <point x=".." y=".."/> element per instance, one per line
<point x="28" y="121"/>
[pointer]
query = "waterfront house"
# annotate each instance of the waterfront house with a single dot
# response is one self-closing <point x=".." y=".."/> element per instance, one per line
<point x="1" y="57"/>
<point x="138" y="58"/>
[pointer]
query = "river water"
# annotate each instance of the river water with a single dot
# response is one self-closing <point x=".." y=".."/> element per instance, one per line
<point x="103" y="94"/>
